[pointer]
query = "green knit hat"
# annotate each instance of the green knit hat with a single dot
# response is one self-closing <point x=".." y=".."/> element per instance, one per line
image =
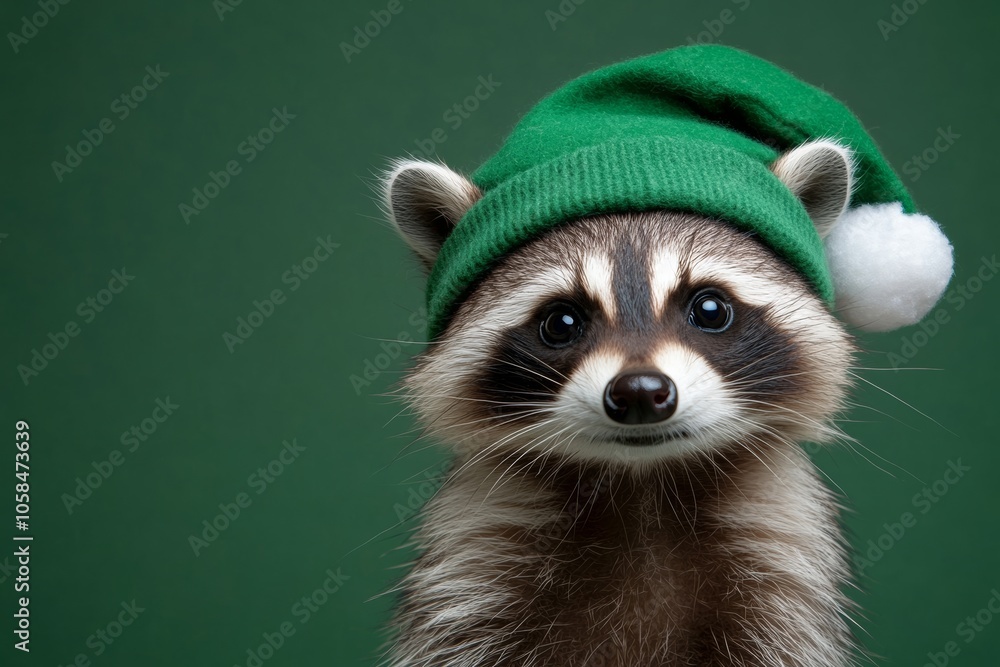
<point x="694" y="129"/>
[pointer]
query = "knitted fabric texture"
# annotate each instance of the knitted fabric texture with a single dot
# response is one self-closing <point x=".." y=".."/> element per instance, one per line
<point x="692" y="129"/>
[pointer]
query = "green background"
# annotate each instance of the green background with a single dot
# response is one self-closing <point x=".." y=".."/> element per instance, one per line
<point x="337" y="505"/>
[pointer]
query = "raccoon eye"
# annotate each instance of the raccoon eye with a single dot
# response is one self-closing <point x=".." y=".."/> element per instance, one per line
<point x="561" y="326"/>
<point x="710" y="312"/>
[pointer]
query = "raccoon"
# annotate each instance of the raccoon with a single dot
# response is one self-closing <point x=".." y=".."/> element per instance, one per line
<point x="625" y="398"/>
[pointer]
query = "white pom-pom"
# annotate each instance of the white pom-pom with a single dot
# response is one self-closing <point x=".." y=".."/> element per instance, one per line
<point x="889" y="268"/>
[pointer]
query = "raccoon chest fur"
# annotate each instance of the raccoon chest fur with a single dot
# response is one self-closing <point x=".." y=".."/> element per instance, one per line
<point x="699" y="564"/>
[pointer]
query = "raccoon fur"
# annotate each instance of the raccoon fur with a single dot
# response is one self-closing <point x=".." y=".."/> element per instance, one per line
<point x="625" y="398"/>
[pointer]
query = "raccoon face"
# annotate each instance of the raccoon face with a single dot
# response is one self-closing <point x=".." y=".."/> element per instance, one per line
<point x="626" y="339"/>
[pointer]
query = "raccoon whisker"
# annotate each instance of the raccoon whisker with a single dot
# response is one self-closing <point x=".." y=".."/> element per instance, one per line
<point x="542" y="424"/>
<point x="520" y="453"/>
<point x="725" y="457"/>
<point x="408" y="450"/>
<point x="540" y="440"/>
<point x="425" y="431"/>
<point x="526" y="369"/>
<point x="475" y="458"/>
<point x="401" y="342"/>
<point x="489" y="449"/>
<point x="872" y="463"/>
<point x="395" y="394"/>
<point x="393" y="371"/>
<point x="902" y="368"/>
<point x="825" y="434"/>
<point x="420" y="395"/>
<point x="511" y="395"/>
<point x="507" y="437"/>
<point x="562" y="463"/>
<point x="845" y="420"/>
<point x="481" y="400"/>
<point x="548" y="366"/>
<point x="402" y="455"/>
<point x="754" y="452"/>
<point x="413" y="410"/>
<point x="495" y="403"/>
<point x="818" y="430"/>
<point x="694" y="493"/>
<point x="499" y="422"/>
<point x="899" y="421"/>
<point x="397" y="390"/>
<point x="792" y="443"/>
<point x="525" y="450"/>
<point x="735" y="436"/>
<point x="770" y="432"/>
<point x="852" y="442"/>
<point x="404" y="409"/>
<point x="503" y="420"/>
<point x="421" y="476"/>
<point x="755" y="361"/>
<point x="564" y="441"/>
<point x="381" y="533"/>
<point x="756" y="380"/>
<point x="885" y="391"/>
<point x="673" y="488"/>
<point x="806" y="420"/>
<point x="603" y="469"/>
<point x="554" y="473"/>
<point x="842" y="437"/>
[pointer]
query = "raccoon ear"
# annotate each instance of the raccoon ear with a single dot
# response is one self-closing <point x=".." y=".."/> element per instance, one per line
<point x="425" y="201"/>
<point x="820" y="174"/>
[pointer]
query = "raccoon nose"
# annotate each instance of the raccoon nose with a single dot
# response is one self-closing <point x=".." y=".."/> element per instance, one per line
<point x="640" y="398"/>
